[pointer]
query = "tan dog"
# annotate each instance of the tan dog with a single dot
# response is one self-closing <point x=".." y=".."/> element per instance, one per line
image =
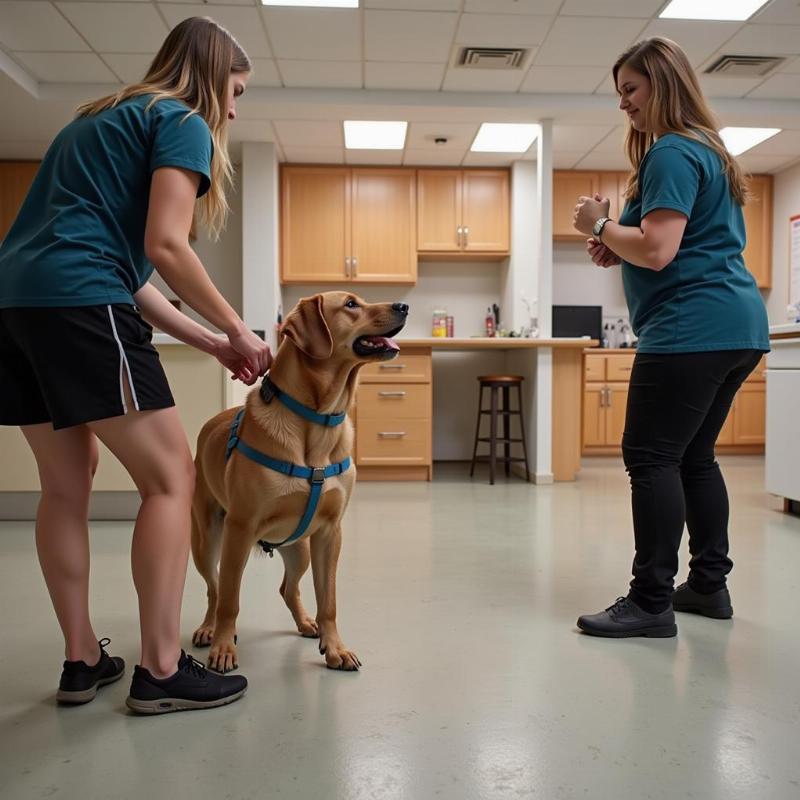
<point x="238" y="502"/>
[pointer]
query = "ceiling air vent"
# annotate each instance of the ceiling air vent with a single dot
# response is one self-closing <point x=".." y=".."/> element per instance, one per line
<point x="491" y="57"/>
<point x="744" y="66"/>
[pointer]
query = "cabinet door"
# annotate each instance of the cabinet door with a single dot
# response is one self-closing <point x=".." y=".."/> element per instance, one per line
<point x="15" y="180"/>
<point x="485" y="211"/>
<point x="384" y="243"/>
<point x="617" y="398"/>
<point x="594" y="415"/>
<point x="726" y="434"/>
<point x="608" y="183"/>
<point x="315" y="224"/>
<point x="568" y="186"/>
<point x="438" y="210"/>
<point x="758" y="224"/>
<point x="750" y="416"/>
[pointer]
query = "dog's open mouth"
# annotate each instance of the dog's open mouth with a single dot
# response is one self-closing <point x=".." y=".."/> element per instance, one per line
<point x="377" y="346"/>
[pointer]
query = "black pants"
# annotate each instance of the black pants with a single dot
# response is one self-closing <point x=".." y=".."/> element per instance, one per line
<point x="677" y="405"/>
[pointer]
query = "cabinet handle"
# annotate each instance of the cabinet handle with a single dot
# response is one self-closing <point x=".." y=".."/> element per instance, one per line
<point x="391" y="366"/>
<point x="459" y="231"/>
<point x="603" y="397"/>
<point x="391" y="434"/>
<point x="391" y="394"/>
<point x="347" y="266"/>
<point x="608" y="397"/>
<point x="354" y="262"/>
<point x="466" y="236"/>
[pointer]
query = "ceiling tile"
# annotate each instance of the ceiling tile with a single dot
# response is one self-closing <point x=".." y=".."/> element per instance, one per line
<point x="243" y="23"/>
<point x="597" y="160"/>
<point x="719" y="86"/>
<point x="37" y="26"/>
<point x="491" y="159"/>
<point x="388" y="75"/>
<point x="252" y="130"/>
<point x="328" y="74"/>
<point x="778" y="87"/>
<point x="414" y="5"/>
<point x="23" y="150"/>
<point x="770" y="40"/>
<point x="698" y="38"/>
<point x="459" y="135"/>
<point x="585" y="41"/>
<point x="330" y="34"/>
<point x="610" y="8"/>
<point x="562" y="80"/>
<point x="67" y="67"/>
<point x="445" y="157"/>
<point x="131" y="67"/>
<point x="755" y="164"/>
<point x="314" y="155"/>
<point x="513" y="6"/>
<point x="461" y="79"/>
<point x="778" y="12"/>
<point x="567" y="160"/>
<point x="607" y="86"/>
<point x="785" y="143"/>
<point x="216" y="2"/>
<point x="578" y="137"/>
<point x="376" y="157"/>
<point x="502" y="30"/>
<point x="309" y="133"/>
<point x="791" y="66"/>
<point x="409" y="35"/>
<point x="264" y="73"/>
<point x="118" y="27"/>
<point x="614" y="142"/>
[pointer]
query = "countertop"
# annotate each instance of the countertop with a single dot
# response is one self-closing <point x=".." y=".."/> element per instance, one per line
<point x="786" y="331"/>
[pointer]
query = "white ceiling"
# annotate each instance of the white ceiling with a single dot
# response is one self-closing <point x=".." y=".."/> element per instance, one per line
<point x="394" y="59"/>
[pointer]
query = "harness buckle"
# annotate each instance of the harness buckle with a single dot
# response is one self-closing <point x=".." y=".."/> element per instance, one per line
<point x="317" y="475"/>
<point x="267" y="392"/>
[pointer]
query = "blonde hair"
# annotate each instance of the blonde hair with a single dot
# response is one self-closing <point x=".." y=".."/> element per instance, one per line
<point x="676" y="105"/>
<point x="194" y="65"/>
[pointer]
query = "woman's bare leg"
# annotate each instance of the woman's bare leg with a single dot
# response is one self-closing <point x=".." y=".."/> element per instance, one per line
<point x="67" y="460"/>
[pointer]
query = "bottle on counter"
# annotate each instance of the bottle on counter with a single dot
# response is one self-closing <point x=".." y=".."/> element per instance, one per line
<point x="439" y="326"/>
<point x="450" y="326"/>
<point x="490" y="322"/>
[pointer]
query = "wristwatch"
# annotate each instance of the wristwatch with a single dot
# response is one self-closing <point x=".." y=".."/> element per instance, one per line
<point x="597" y="228"/>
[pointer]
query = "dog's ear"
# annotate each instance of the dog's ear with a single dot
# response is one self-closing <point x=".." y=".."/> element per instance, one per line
<point x="306" y="328"/>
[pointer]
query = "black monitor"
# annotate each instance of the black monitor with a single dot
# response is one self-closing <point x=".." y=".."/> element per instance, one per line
<point x="578" y="321"/>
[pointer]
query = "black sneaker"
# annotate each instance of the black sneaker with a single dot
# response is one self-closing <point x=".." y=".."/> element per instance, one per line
<point x="79" y="682"/>
<point x="716" y="605"/>
<point x="625" y="619"/>
<point x="192" y="686"/>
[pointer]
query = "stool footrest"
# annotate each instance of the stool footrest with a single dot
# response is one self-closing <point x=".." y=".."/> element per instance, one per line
<point x="497" y="439"/>
<point x="500" y="412"/>
<point x="484" y="459"/>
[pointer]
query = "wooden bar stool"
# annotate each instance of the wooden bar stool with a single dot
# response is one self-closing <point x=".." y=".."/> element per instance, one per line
<point x="496" y="383"/>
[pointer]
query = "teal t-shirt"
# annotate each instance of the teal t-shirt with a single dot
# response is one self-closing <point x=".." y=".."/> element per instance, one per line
<point x="78" y="239"/>
<point x="705" y="299"/>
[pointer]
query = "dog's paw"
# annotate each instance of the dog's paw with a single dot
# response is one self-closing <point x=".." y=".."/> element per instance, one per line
<point x="340" y="658"/>
<point x="223" y="657"/>
<point x="308" y="628"/>
<point x="203" y="635"/>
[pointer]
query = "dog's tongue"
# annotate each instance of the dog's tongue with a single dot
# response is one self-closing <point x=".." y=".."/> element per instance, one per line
<point x="389" y="344"/>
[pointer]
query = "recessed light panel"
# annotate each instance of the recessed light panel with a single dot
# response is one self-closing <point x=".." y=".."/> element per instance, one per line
<point x="313" y="3"/>
<point x="711" y="9"/>
<point x="504" y="137"/>
<point x="738" y="140"/>
<point x="373" y="135"/>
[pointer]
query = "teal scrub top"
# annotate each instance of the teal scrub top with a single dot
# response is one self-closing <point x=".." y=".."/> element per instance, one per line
<point x="705" y="299"/>
<point x="78" y="239"/>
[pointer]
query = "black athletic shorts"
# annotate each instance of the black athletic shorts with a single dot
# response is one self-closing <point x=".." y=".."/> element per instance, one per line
<point x="66" y="365"/>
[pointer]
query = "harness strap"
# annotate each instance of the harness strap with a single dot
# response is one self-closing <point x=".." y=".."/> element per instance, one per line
<point x="270" y="390"/>
<point x="314" y="475"/>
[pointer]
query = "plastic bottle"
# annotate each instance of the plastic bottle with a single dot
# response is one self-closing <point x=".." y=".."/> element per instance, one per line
<point x="489" y="322"/>
<point x="439" y="327"/>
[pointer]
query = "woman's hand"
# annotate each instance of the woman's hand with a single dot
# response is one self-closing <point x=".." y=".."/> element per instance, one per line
<point x="588" y="211"/>
<point x="234" y="362"/>
<point x="601" y="255"/>
<point x="254" y="351"/>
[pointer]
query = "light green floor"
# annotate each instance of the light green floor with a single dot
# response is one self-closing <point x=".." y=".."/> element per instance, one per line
<point x="461" y="600"/>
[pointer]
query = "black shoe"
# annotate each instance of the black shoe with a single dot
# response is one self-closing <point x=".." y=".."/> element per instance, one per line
<point x="625" y="619"/>
<point x="79" y="681"/>
<point x="716" y="605"/>
<point x="192" y="686"/>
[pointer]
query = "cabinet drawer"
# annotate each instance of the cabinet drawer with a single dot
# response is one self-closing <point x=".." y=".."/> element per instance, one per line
<point x="595" y="368"/>
<point x="405" y="441"/>
<point x="402" y="369"/>
<point x="618" y="367"/>
<point x="393" y="401"/>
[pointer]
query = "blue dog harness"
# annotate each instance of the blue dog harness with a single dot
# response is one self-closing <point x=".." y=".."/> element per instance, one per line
<point x="314" y="475"/>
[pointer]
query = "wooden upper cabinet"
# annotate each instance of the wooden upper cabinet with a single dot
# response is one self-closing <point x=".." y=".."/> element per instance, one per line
<point x="16" y="178"/>
<point x="758" y="225"/>
<point x="568" y="186"/>
<point x="315" y="224"/>
<point x="348" y="225"/>
<point x="463" y="211"/>
<point x="384" y="238"/>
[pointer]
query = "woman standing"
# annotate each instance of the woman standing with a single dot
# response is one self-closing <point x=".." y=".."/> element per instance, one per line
<point x="702" y="329"/>
<point x="114" y="198"/>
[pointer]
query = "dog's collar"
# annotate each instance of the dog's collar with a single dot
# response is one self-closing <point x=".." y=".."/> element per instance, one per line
<point x="269" y="391"/>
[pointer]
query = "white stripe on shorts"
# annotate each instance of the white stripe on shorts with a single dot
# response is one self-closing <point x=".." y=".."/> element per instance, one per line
<point x="123" y="362"/>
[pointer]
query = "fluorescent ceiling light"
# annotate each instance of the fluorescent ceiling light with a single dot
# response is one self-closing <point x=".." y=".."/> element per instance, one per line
<point x="313" y="3"/>
<point x="737" y="140"/>
<point x="502" y="137"/>
<point x="711" y="9"/>
<point x="369" y="135"/>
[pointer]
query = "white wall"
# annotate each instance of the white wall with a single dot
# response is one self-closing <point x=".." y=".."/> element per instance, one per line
<point x="786" y="203"/>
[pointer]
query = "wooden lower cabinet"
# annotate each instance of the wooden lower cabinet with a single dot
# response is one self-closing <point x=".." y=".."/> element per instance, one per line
<point x="16" y="178"/>
<point x="393" y="419"/>
<point x="605" y="398"/>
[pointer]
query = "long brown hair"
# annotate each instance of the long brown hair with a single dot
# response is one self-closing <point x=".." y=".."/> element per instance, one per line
<point x="194" y="65"/>
<point x="676" y="105"/>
